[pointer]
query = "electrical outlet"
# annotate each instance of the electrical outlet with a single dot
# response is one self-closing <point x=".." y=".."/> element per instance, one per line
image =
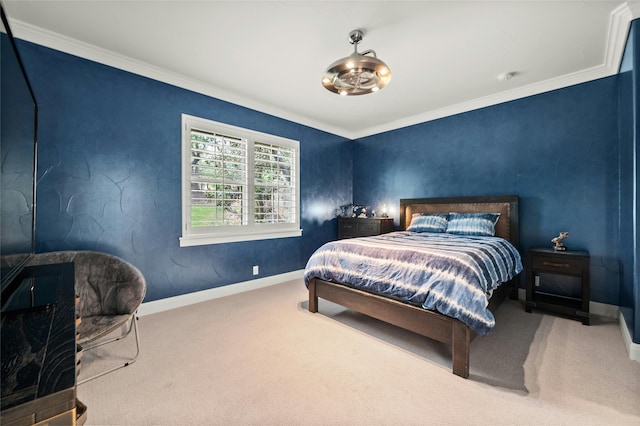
<point x="256" y="269"/>
<point x="536" y="280"/>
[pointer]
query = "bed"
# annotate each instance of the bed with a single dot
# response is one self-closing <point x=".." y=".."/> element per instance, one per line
<point x="396" y="296"/>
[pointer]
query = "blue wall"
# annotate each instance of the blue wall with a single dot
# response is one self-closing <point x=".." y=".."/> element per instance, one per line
<point x="17" y="132"/>
<point x="558" y="151"/>
<point x="109" y="175"/>
<point x="629" y="160"/>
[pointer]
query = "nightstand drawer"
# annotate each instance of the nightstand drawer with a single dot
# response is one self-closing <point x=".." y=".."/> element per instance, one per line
<point x="560" y="265"/>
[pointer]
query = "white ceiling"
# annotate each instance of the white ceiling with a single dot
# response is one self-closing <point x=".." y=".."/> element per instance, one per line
<point x="445" y="57"/>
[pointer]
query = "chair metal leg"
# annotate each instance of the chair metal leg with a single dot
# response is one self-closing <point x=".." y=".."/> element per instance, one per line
<point x="133" y="325"/>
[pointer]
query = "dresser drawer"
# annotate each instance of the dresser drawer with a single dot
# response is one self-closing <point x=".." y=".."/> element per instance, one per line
<point x="351" y="227"/>
<point x="368" y="228"/>
<point x="347" y="229"/>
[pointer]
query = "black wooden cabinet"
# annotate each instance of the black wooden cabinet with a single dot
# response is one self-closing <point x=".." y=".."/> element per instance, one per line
<point x="351" y="227"/>
<point x="558" y="281"/>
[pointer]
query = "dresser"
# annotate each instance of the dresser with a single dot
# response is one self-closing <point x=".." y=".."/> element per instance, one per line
<point x="351" y="227"/>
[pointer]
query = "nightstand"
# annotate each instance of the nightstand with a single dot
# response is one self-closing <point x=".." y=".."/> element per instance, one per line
<point x="351" y="227"/>
<point x="558" y="281"/>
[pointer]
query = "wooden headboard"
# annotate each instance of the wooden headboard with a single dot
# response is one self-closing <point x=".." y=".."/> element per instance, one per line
<point x="506" y="205"/>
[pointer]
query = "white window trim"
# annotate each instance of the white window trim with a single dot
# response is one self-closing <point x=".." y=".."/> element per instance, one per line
<point x="191" y="237"/>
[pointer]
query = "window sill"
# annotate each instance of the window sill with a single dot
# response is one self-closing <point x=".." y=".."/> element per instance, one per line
<point x="201" y="240"/>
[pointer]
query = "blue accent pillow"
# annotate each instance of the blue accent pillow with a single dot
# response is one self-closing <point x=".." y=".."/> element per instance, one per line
<point x="428" y="222"/>
<point x="476" y="224"/>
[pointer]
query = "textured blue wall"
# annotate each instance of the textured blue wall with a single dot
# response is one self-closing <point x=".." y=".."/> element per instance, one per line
<point x="109" y="172"/>
<point x="627" y="188"/>
<point x="109" y="175"/>
<point x="629" y="159"/>
<point x="18" y="133"/>
<point x="558" y="151"/>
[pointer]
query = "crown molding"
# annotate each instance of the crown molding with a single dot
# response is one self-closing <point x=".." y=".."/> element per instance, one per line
<point x="619" y="24"/>
<point x="56" y="41"/>
<point x="498" y="98"/>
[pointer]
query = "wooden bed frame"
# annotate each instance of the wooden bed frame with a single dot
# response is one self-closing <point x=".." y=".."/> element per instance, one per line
<point x="427" y="323"/>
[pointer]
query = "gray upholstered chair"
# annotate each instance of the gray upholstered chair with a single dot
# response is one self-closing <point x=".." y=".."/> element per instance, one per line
<point x="109" y="291"/>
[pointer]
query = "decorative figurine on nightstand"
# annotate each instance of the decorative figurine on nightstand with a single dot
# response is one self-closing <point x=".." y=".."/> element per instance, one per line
<point x="363" y="213"/>
<point x="558" y="241"/>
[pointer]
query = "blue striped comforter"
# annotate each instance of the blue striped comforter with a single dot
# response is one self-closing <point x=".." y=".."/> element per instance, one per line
<point x="451" y="274"/>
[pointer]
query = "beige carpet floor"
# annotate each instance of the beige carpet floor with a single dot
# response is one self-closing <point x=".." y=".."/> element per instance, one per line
<point x="261" y="358"/>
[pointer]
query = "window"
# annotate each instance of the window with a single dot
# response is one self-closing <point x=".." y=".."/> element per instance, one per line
<point x="237" y="184"/>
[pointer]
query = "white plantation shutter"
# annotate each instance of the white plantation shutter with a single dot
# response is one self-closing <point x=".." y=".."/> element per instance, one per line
<point x="275" y="183"/>
<point x="238" y="184"/>
<point x="219" y="178"/>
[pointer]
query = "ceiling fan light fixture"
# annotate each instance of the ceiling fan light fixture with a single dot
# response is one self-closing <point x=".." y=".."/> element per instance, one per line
<point x="358" y="73"/>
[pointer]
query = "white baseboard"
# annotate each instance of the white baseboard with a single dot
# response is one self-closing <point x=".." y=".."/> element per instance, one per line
<point x="162" y="305"/>
<point x="604" y="310"/>
<point x="633" y="349"/>
<point x="609" y="311"/>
